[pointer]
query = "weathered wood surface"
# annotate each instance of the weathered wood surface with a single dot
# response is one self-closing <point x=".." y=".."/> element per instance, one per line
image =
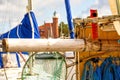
<point x="0" y="45"/>
<point x="35" y="45"/>
<point x="115" y="9"/>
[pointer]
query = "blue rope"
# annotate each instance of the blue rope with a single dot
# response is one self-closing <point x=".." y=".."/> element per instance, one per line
<point x="1" y="62"/>
<point x="97" y="74"/>
<point x="107" y="71"/>
<point x="18" y="61"/>
<point x="87" y="74"/>
<point x="111" y="73"/>
<point x="118" y="70"/>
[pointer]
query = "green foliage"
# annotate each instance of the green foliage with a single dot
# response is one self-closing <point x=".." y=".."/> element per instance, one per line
<point x="63" y="29"/>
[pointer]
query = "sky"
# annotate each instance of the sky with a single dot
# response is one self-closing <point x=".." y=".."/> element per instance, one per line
<point x="12" y="11"/>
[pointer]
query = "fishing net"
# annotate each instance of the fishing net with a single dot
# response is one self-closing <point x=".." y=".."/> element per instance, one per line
<point x="45" y="66"/>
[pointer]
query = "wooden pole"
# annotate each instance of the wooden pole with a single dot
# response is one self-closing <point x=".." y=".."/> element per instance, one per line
<point x="1" y="46"/>
<point x="29" y="6"/>
<point x="113" y="6"/>
<point x="36" y="45"/>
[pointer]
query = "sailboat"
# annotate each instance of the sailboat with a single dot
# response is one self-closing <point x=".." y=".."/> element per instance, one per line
<point x="45" y="45"/>
<point x="48" y="44"/>
<point x="28" y="29"/>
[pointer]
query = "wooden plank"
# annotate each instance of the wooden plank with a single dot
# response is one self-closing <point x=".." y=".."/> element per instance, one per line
<point x="117" y="26"/>
<point x="103" y="19"/>
<point x="114" y="5"/>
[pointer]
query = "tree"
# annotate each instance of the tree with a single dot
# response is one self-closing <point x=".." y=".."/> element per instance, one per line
<point x="63" y="29"/>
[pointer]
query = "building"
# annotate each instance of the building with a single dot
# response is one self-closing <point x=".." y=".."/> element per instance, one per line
<point x="48" y="30"/>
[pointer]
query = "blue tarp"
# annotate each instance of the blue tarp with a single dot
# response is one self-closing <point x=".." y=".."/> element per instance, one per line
<point x="23" y="30"/>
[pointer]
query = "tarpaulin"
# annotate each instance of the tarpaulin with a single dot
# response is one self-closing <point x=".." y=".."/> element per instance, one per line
<point x="23" y="30"/>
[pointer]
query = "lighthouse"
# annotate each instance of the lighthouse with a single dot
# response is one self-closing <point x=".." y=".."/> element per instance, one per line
<point x="55" y="28"/>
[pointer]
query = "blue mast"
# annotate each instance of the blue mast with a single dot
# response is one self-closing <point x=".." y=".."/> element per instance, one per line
<point x="69" y="19"/>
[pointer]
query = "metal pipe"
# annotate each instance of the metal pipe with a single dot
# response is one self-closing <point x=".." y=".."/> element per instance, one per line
<point x="69" y="19"/>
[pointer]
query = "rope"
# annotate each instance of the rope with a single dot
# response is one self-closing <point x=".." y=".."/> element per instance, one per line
<point x="5" y="73"/>
<point x="48" y="67"/>
<point x="18" y="61"/>
<point x="88" y="71"/>
<point x="110" y="73"/>
<point x="118" y="70"/>
<point x="32" y="26"/>
<point x="20" y="53"/>
<point x="58" y="69"/>
<point x="109" y="70"/>
<point x="97" y="74"/>
<point x="18" y="31"/>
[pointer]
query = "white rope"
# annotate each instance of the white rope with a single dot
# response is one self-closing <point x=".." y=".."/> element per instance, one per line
<point x="32" y="26"/>
<point x="8" y="34"/>
<point x="18" y="31"/>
